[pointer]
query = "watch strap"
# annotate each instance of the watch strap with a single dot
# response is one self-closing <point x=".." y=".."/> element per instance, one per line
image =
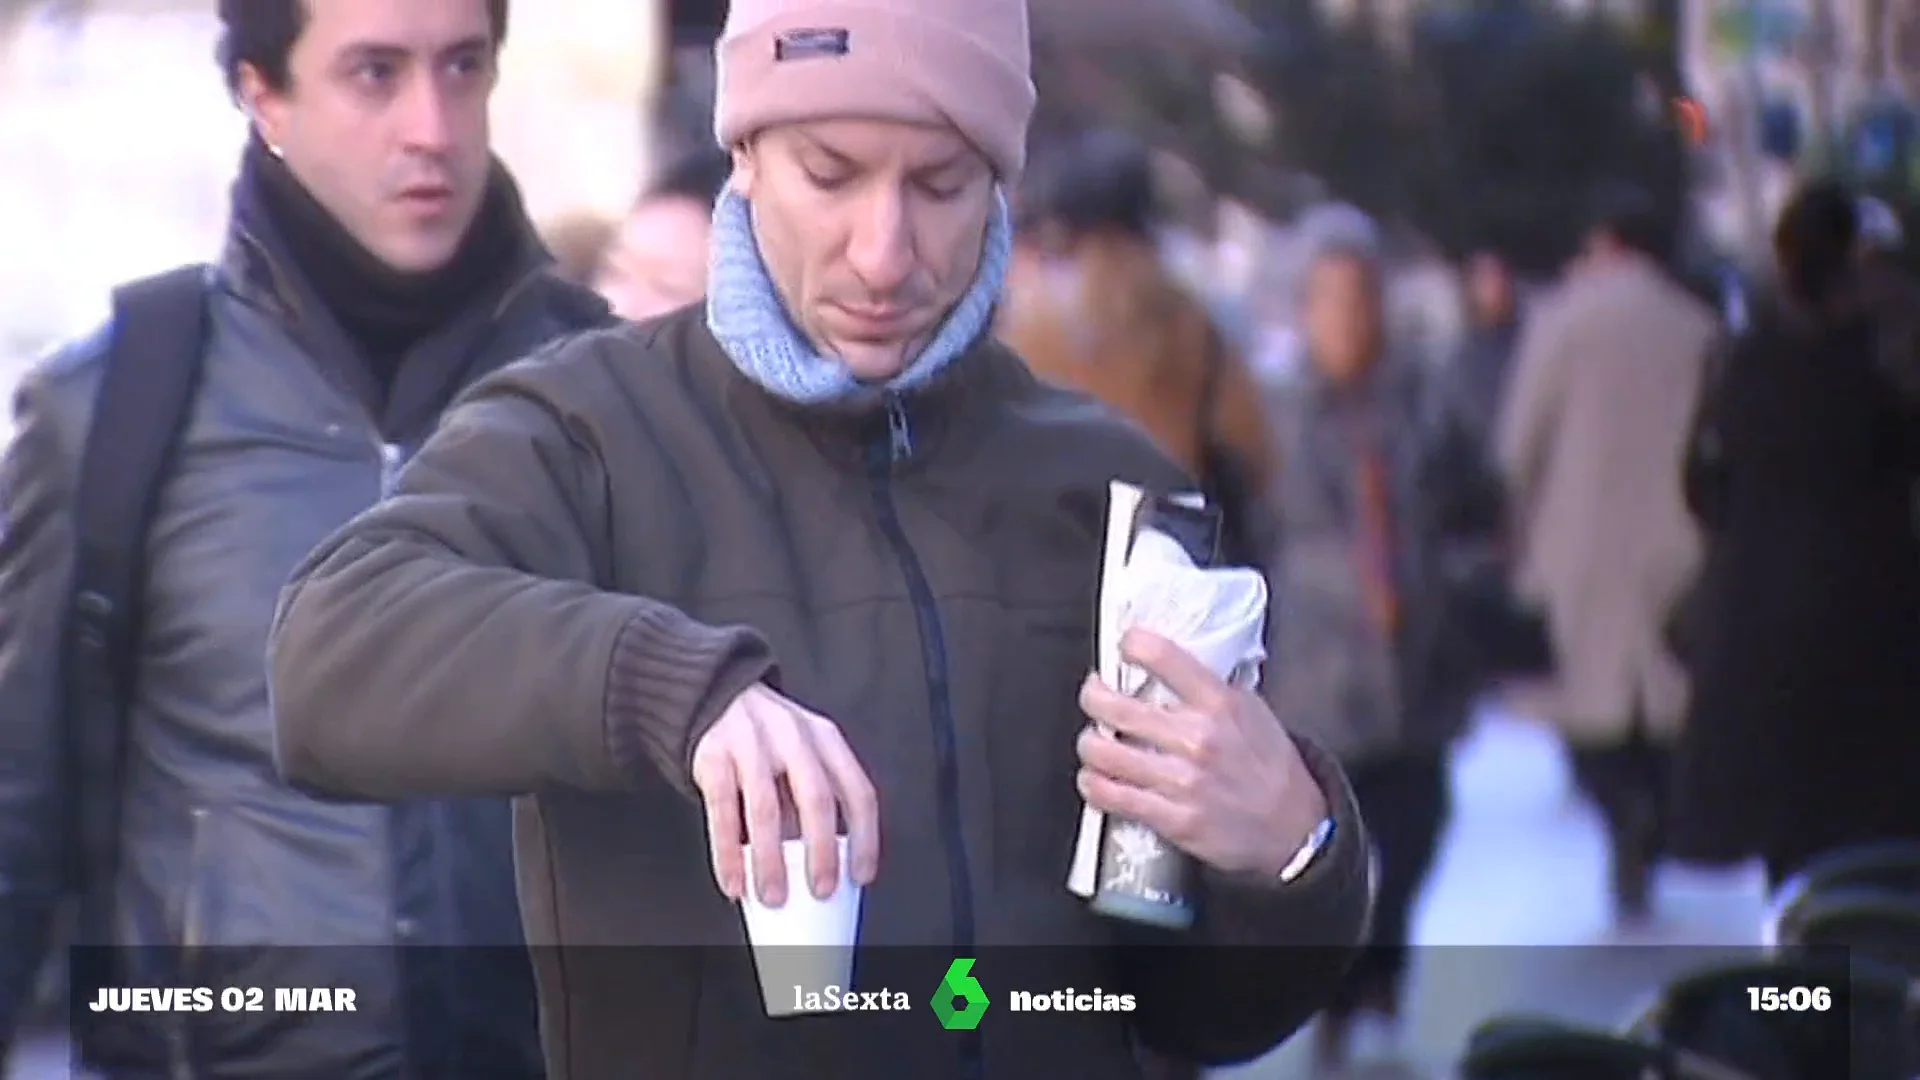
<point x="1316" y="842"/>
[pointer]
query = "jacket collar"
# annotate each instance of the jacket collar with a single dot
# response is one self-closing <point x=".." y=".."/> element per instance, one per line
<point x="900" y="429"/>
<point x="258" y="268"/>
<point x="747" y="316"/>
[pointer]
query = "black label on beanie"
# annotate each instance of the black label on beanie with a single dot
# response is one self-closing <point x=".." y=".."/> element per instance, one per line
<point x="803" y="44"/>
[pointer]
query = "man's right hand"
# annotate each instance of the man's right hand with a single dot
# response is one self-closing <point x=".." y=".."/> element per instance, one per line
<point x="761" y="740"/>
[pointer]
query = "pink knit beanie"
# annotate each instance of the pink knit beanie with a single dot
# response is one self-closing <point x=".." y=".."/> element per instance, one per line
<point x="965" y="63"/>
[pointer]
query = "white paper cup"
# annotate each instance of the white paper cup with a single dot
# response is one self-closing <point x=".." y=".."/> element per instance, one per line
<point x="804" y="946"/>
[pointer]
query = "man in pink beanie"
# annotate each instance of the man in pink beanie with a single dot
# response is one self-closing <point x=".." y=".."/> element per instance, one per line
<point x="819" y="102"/>
<point x="790" y="592"/>
<point x="932" y="63"/>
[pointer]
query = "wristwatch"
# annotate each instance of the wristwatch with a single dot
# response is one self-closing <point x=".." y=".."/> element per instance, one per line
<point x="1316" y="842"/>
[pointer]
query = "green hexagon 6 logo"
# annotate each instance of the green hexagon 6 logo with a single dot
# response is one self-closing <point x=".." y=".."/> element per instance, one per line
<point x="958" y="986"/>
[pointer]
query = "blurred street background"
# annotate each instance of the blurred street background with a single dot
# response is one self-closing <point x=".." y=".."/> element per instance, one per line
<point x="1449" y="127"/>
<point x="1455" y="122"/>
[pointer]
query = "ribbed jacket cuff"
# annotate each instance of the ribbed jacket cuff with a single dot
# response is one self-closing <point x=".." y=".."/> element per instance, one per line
<point x="670" y="679"/>
<point x="1327" y="905"/>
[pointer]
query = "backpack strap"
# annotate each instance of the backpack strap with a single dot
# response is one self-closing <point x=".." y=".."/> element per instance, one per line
<point x="147" y="386"/>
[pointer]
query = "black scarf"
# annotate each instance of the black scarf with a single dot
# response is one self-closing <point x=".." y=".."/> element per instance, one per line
<point x="386" y="312"/>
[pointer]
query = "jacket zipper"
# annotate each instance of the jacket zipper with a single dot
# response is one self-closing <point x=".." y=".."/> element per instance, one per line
<point x="884" y="452"/>
<point x="393" y="458"/>
<point x="406" y="962"/>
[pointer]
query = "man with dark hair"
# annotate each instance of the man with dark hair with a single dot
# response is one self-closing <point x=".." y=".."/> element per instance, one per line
<point x="657" y="261"/>
<point x="259" y="36"/>
<point x="1818" y="246"/>
<point x="378" y="260"/>
<point x="1625" y="221"/>
<point x="1802" y="466"/>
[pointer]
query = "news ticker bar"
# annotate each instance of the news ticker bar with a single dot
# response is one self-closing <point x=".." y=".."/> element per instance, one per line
<point x="1635" y="971"/>
<point x="1827" y="1006"/>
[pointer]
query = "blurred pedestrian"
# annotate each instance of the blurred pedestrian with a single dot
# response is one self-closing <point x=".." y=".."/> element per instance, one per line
<point x="377" y="260"/>
<point x="820" y="541"/>
<point x="1596" y="416"/>
<point x="579" y="242"/>
<point x="657" y="261"/>
<point x="1097" y="310"/>
<point x="1507" y="635"/>
<point x="1364" y="657"/>
<point x="1478" y="371"/>
<point x="1806" y="624"/>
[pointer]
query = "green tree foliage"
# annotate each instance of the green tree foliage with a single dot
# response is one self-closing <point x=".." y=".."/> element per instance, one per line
<point x="1346" y="109"/>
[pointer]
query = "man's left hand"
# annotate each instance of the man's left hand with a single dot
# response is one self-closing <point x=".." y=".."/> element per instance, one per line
<point x="1216" y="775"/>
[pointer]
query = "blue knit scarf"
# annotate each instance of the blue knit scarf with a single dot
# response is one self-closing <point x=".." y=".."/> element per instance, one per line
<point x="748" y="318"/>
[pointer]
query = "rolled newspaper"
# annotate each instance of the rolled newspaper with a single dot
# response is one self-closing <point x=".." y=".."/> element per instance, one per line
<point x="1150" y="579"/>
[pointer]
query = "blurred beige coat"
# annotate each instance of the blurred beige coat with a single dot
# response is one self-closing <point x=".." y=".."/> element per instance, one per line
<point x="1590" y="442"/>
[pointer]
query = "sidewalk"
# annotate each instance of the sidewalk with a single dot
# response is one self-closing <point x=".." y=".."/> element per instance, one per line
<point x="1516" y="917"/>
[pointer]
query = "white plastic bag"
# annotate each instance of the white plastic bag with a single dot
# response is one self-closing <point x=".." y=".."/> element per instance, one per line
<point x="1219" y="615"/>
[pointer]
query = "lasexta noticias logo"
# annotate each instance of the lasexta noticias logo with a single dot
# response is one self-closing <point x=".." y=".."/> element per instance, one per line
<point x="960" y="1001"/>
